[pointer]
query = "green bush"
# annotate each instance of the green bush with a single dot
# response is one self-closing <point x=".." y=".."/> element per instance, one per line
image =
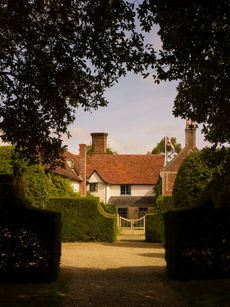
<point x="83" y="219"/>
<point x="109" y="208"/>
<point x="60" y="186"/>
<point x="151" y="235"/>
<point x="192" y="178"/>
<point x="36" y="186"/>
<point x="5" y="160"/>
<point x="195" y="173"/>
<point x="155" y="222"/>
<point x="30" y="241"/>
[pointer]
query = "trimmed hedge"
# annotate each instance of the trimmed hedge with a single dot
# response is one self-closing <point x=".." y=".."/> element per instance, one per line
<point x="155" y="230"/>
<point x="83" y="219"/>
<point x="109" y="208"/>
<point x="151" y="235"/>
<point x="30" y="241"/>
<point x="198" y="242"/>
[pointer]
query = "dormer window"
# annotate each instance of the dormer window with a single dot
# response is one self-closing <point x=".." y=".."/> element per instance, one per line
<point x="93" y="187"/>
<point x="125" y="189"/>
<point x="70" y="163"/>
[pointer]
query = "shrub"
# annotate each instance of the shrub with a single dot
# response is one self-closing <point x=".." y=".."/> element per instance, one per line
<point x="197" y="170"/>
<point x="30" y="243"/>
<point x="36" y="186"/>
<point x="109" y="208"/>
<point x="155" y="222"/>
<point x="83" y="219"/>
<point x="192" y="178"/>
<point x="60" y="186"/>
<point x="5" y="160"/>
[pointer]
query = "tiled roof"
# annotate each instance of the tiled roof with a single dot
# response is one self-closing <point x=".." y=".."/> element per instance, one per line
<point x="132" y="200"/>
<point x="67" y="171"/>
<point x="117" y="169"/>
<point x="126" y="169"/>
<point x="176" y="162"/>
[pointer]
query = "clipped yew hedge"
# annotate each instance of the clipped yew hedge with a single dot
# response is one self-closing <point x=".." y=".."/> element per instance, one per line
<point x="154" y="223"/>
<point x="30" y="241"/>
<point x="150" y="229"/>
<point x="83" y="219"/>
<point x="198" y="242"/>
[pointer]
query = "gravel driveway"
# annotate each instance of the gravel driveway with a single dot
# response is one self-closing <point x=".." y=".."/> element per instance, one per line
<point x="116" y="274"/>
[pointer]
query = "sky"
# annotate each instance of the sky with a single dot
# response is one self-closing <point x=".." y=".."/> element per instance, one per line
<point x="138" y="116"/>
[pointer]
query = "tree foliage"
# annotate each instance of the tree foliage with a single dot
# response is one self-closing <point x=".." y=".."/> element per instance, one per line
<point x="34" y="184"/>
<point x="160" y="147"/>
<point x="60" y="186"/>
<point x="197" y="174"/>
<point x="109" y="151"/>
<point x="5" y="160"/>
<point x="195" y="50"/>
<point x="57" y="56"/>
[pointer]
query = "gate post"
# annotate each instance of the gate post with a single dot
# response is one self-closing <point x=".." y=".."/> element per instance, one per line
<point x="118" y="221"/>
<point x="132" y="226"/>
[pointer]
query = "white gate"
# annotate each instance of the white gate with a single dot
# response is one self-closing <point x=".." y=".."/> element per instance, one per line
<point x="133" y="227"/>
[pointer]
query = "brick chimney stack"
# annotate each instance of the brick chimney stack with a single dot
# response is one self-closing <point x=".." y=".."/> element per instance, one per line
<point x="190" y="134"/>
<point x="82" y="169"/>
<point x="99" y="143"/>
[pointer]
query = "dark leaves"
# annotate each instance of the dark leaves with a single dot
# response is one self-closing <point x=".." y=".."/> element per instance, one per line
<point x="196" y="48"/>
<point x="56" y="56"/>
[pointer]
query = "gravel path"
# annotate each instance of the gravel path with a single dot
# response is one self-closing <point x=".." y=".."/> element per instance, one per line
<point x="116" y="274"/>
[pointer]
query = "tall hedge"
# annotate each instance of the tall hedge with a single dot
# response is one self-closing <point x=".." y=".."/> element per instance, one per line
<point x="30" y="241"/>
<point x="83" y="219"/>
<point x="155" y="229"/>
<point x="198" y="242"/>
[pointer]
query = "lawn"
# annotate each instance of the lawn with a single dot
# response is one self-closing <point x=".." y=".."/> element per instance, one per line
<point x="34" y="294"/>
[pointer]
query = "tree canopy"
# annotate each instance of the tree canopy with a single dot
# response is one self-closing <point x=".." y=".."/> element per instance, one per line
<point x="195" y="50"/>
<point x="35" y="185"/>
<point x="202" y="173"/>
<point x="56" y="56"/>
<point x="109" y="150"/>
<point x="160" y="147"/>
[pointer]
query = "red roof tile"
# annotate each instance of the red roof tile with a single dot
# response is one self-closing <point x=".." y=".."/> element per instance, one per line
<point x="126" y="169"/>
<point x="67" y="171"/>
<point x="118" y="169"/>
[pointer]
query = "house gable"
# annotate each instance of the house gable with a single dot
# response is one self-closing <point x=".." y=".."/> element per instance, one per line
<point x="169" y="172"/>
<point x="95" y="177"/>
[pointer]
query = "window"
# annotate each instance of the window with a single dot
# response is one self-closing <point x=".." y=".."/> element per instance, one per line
<point x="123" y="212"/>
<point x="142" y="212"/>
<point x="125" y="189"/>
<point x="93" y="187"/>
